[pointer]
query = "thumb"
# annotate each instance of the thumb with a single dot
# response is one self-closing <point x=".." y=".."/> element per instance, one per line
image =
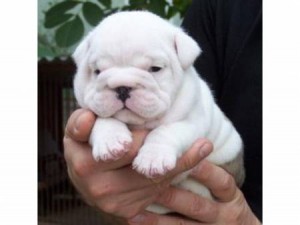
<point x="79" y="125"/>
<point x="199" y="151"/>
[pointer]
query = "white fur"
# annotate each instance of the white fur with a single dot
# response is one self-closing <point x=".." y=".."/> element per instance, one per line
<point x="175" y="103"/>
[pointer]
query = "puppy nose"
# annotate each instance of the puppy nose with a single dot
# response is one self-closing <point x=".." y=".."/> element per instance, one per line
<point x="123" y="93"/>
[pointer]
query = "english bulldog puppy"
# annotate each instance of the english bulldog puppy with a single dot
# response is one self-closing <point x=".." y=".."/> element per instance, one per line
<point x="135" y="70"/>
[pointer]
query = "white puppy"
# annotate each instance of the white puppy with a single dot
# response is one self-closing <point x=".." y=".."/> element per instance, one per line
<point x="136" y="70"/>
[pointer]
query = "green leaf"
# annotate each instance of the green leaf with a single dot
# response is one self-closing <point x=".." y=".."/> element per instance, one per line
<point x="57" y="14"/>
<point x="172" y="12"/>
<point x="56" y="20"/>
<point x="127" y="8"/>
<point x="182" y="5"/>
<point x="92" y="13"/>
<point x="137" y="2"/>
<point x="106" y="3"/>
<point x="45" y="51"/>
<point x="61" y="8"/>
<point x="111" y="11"/>
<point x="158" y="7"/>
<point x="69" y="33"/>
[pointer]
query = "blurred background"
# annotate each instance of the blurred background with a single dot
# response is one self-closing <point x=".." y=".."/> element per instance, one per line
<point x="61" y="25"/>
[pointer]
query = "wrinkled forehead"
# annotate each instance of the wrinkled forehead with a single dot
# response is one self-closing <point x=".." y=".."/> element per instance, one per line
<point x="136" y="59"/>
<point x="127" y="48"/>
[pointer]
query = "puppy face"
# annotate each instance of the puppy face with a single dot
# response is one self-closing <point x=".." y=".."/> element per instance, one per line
<point x="131" y="65"/>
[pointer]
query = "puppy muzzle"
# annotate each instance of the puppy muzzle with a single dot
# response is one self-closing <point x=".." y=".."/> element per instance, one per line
<point x="131" y="89"/>
<point x="123" y="93"/>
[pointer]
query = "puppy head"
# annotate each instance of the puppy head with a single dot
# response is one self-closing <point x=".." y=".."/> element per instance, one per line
<point x="131" y="65"/>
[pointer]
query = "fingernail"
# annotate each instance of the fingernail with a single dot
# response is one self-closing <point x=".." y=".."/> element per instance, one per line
<point x="78" y="123"/>
<point x="137" y="219"/>
<point x="205" y="149"/>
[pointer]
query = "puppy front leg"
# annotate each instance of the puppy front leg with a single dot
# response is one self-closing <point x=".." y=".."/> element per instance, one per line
<point x="163" y="146"/>
<point x="110" y="139"/>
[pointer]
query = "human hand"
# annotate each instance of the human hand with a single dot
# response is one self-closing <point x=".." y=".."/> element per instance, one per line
<point x="114" y="187"/>
<point x="230" y="206"/>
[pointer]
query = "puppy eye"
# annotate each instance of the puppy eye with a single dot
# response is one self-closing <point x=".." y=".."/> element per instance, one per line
<point x="154" y="69"/>
<point x="97" y="71"/>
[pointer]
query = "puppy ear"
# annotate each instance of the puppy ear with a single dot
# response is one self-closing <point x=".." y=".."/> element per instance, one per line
<point x="186" y="48"/>
<point x="82" y="49"/>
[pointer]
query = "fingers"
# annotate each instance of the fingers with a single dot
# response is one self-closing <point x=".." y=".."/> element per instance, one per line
<point x="147" y="218"/>
<point x="220" y="183"/>
<point x="128" y="204"/>
<point x="79" y="125"/>
<point x="83" y="167"/>
<point x="192" y="157"/>
<point x="199" y="150"/>
<point x="196" y="207"/>
<point x="122" y="181"/>
<point x="79" y="155"/>
<point x="80" y="159"/>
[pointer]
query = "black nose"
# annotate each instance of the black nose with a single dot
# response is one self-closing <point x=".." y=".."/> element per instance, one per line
<point x="123" y="93"/>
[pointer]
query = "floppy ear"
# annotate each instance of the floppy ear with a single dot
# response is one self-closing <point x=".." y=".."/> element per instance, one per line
<point x="186" y="48"/>
<point x="82" y="49"/>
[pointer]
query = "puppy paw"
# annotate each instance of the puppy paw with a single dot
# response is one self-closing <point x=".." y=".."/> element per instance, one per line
<point x="111" y="147"/>
<point x="154" y="163"/>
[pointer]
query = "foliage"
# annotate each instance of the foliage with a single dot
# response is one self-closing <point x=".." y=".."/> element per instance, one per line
<point x="70" y="18"/>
